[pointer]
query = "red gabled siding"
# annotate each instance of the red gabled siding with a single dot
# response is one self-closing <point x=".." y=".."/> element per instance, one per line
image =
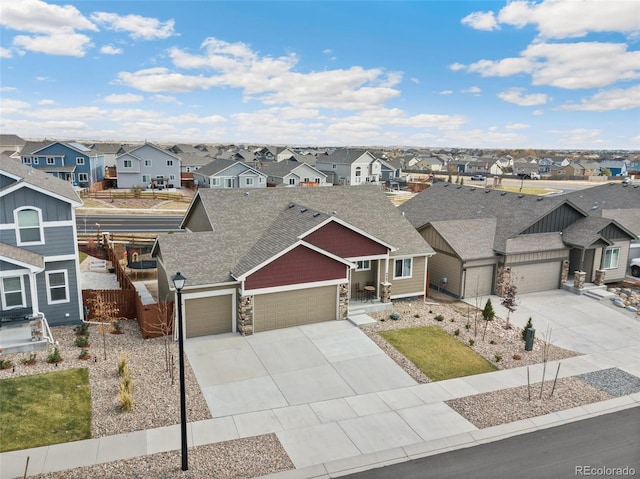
<point x="300" y="265"/>
<point x="344" y="242"/>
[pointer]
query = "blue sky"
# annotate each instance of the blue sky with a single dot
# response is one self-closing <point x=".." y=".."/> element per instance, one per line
<point x="480" y="74"/>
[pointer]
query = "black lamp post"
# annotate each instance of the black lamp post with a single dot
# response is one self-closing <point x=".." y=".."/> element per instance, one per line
<point x="178" y="282"/>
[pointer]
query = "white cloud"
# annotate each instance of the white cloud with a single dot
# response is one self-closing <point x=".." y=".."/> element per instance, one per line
<point x="270" y="80"/>
<point x="110" y="50"/>
<point x="578" y="137"/>
<point x="516" y="126"/>
<point x="473" y="90"/>
<point x="51" y="29"/>
<point x="8" y="88"/>
<point x="415" y="80"/>
<point x="123" y="98"/>
<point x="457" y="66"/>
<point x="517" y="96"/>
<point x="537" y="112"/>
<point x="574" y="18"/>
<point x="9" y="106"/>
<point x="138" y="27"/>
<point x="166" y="99"/>
<point x="446" y="92"/>
<point x="5" y="52"/>
<point x="618" y="99"/>
<point x="481" y="21"/>
<point x="568" y="65"/>
<point x="46" y="102"/>
<point x="83" y="113"/>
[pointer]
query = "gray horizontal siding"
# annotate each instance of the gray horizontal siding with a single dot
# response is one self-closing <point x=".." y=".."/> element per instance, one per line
<point x="56" y="314"/>
<point x="52" y="209"/>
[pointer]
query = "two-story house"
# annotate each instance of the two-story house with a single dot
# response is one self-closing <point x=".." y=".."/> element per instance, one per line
<point x="39" y="270"/>
<point x="71" y="162"/>
<point x="148" y="166"/>
<point x="221" y="173"/>
<point x="350" y="167"/>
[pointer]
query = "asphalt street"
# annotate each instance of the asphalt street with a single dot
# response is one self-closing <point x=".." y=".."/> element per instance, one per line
<point x="128" y="223"/>
<point x="594" y="447"/>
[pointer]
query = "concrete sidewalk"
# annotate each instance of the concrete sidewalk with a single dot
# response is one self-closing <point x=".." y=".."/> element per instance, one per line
<point x="364" y="424"/>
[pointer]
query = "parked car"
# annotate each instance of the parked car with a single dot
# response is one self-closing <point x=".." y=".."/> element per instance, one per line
<point x="477" y="178"/>
<point x="635" y="267"/>
<point x="528" y="176"/>
<point x="626" y="180"/>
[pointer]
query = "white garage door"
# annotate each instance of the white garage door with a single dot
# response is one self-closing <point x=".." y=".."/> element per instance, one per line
<point x="294" y="308"/>
<point x="478" y="281"/>
<point x="530" y="278"/>
<point x="208" y="315"/>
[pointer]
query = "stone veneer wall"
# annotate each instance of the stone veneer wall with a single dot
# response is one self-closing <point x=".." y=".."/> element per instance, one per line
<point x="578" y="279"/>
<point x="503" y="277"/>
<point x="564" y="275"/>
<point x="245" y="315"/>
<point x="385" y="292"/>
<point x="343" y="301"/>
<point x="599" y="277"/>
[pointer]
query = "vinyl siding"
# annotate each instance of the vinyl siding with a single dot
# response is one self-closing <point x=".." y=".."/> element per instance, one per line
<point x="56" y="313"/>
<point x="52" y="209"/>
<point x="413" y="286"/>
<point x="446" y="266"/>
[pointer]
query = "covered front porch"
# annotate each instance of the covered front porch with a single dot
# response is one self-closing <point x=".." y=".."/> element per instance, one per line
<point x="25" y="336"/>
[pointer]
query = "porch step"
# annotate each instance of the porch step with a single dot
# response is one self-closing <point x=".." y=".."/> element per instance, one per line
<point x="25" y="347"/>
<point x="361" y="319"/>
<point x="599" y="294"/>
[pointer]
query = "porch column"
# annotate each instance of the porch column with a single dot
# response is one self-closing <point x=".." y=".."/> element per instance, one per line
<point x="343" y="301"/>
<point x="245" y="315"/>
<point x="578" y="280"/>
<point x="599" y="277"/>
<point x="564" y="274"/>
<point x="385" y="292"/>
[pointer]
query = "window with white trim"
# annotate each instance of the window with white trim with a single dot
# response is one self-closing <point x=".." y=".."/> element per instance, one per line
<point x="147" y="162"/>
<point x="292" y="181"/>
<point x="334" y="166"/>
<point x="51" y="160"/>
<point x="402" y="268"/>
<point x="57" y="287"/>
<point x="306" y="180"/>
<point x="228" y="182"/>
<point x="317" y="180"/>
<point x="29" y="226"/>
<point x="83" y="177"/>
<point x="12" y="292"/>
<point x="215" y="181"/>
<point x="26" y="160"/>
<point x="358" y="178"/>
<point x="146" y="178"/>
<point x="127" y="164"/>
<point x="172" y="177"/>
<point x="169" y="162"/>
<point x="611" y="257"/>
<point x="79" y="160"/>
<point x="35" y="160"/>
<point x="363" y="265"/>
<point x="249" y="181"/>
<point x="260" y="180"/>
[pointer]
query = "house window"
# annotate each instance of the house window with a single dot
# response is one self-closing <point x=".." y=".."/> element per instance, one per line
<point x="29" y="224"/>
<point x="306" y="180"/>
<point x="172" y="177"/>
<point x="146" y="178"/>
<point x="35" y="160"/>
<point x="83" y="177"/>
<point x="57" y="288"/>
<point x="317" y="180"/>
<point x="292" y="181"/>
<point x="12" y="292"/>
<point x="611" y="257"/>
<point x="334" y="166"/>
<point x="79" y="160"/>
<point x="147" y="162"/>
<point x="169" y="162"/>
<point x="215" y="181"/>
<point x="51" y="160"/>
<point x="249" y="181"/>
<point x="402" y="268"/>
<point x="26" y="160"/>
<point x="358" y="178"/>
<point x="127" y="164"/>
<point x="261" y="180"/>
<point x="228" y="182"/>
<point x="363" y="265"/>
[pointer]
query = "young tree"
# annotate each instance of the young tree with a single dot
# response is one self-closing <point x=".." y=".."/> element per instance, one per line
<point x="487" y="314"/>
<point x="106" y="313"/>
<point x="509" y="299"/>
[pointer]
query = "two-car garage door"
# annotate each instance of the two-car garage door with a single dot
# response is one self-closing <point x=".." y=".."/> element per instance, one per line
<point x="530" y="278"/>
<point x="294" y="308"/>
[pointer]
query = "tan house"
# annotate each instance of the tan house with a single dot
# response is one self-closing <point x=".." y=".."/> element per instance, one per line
<point x="263" y="259"/>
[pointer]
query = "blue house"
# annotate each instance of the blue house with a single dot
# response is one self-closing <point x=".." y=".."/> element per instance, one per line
<point x="71" y="162"/>
<point x="39" y="268"/>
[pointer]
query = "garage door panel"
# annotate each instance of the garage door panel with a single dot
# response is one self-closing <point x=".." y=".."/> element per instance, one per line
<point x="208" y="315"/>
<point x="294" y="308"/>
<point x="478" y="281"/>
<point x="530" y="278"/>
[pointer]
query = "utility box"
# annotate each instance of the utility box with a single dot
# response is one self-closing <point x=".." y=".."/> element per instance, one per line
<point x="530" y="335"/>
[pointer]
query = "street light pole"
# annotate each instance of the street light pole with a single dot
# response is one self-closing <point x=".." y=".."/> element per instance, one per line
<point x="178" y="282"/>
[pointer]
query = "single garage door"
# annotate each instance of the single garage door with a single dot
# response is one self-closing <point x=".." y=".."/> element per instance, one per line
<point x="294" y="308"/>
<point x="478" y="281"/>
<point x="208" y="315"/>
<point x="530" y="278"/>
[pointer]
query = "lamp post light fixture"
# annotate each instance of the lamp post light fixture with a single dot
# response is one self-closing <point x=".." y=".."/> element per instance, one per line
<point x="178" y="283"/>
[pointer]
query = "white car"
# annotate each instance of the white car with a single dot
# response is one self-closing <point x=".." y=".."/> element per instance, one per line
<point x="635" y="267"/>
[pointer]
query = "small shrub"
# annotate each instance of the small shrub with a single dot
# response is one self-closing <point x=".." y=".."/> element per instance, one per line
<point x="82" y="329"/>
<point x="416" y="315"/>
<point x="456" y="332"/>
<point x="394" y="316"/>
<point x="29" y="360"/>
<point x="116" y="328"/>
<point x="54" y="356"/>
<point x="439" y="318"/>
<point x="123" y="367"/>
<point x="127" y="384"/>
<point x="125" y="401"/>
<point x="498" y="357"/>
<point x="471" y="342"/>
<point x="492" y="342"/>
<point x="5" y="364"/>
<point x="82" y="341"/>
<point x="452" y="320"/>
<point x="467" y="326"/>
<point x="517" y="357"/>
<point x="84" y="354"/>
<point x="527" y="326"/>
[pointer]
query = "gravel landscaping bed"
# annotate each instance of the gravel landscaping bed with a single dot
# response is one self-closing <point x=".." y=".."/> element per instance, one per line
<point x="505" y="344"/>
<point x="241" y="458"/>
<point x="613" y="381"/>
<point x="509" y="405"/>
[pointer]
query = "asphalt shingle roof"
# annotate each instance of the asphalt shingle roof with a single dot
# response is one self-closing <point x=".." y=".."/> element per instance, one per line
<point x="21" y="255"/>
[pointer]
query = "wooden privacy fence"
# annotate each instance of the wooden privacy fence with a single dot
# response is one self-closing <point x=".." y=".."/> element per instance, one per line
<point x="153" y="194"/>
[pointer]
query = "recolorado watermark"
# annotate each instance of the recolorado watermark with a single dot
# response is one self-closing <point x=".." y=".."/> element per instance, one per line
<point x="605" y="471"/>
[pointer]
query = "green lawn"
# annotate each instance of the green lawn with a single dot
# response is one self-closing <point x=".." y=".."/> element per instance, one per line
<point x="436" y="353"/>
<point x="81" y="256"/>
<point x="45" y="409"/>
